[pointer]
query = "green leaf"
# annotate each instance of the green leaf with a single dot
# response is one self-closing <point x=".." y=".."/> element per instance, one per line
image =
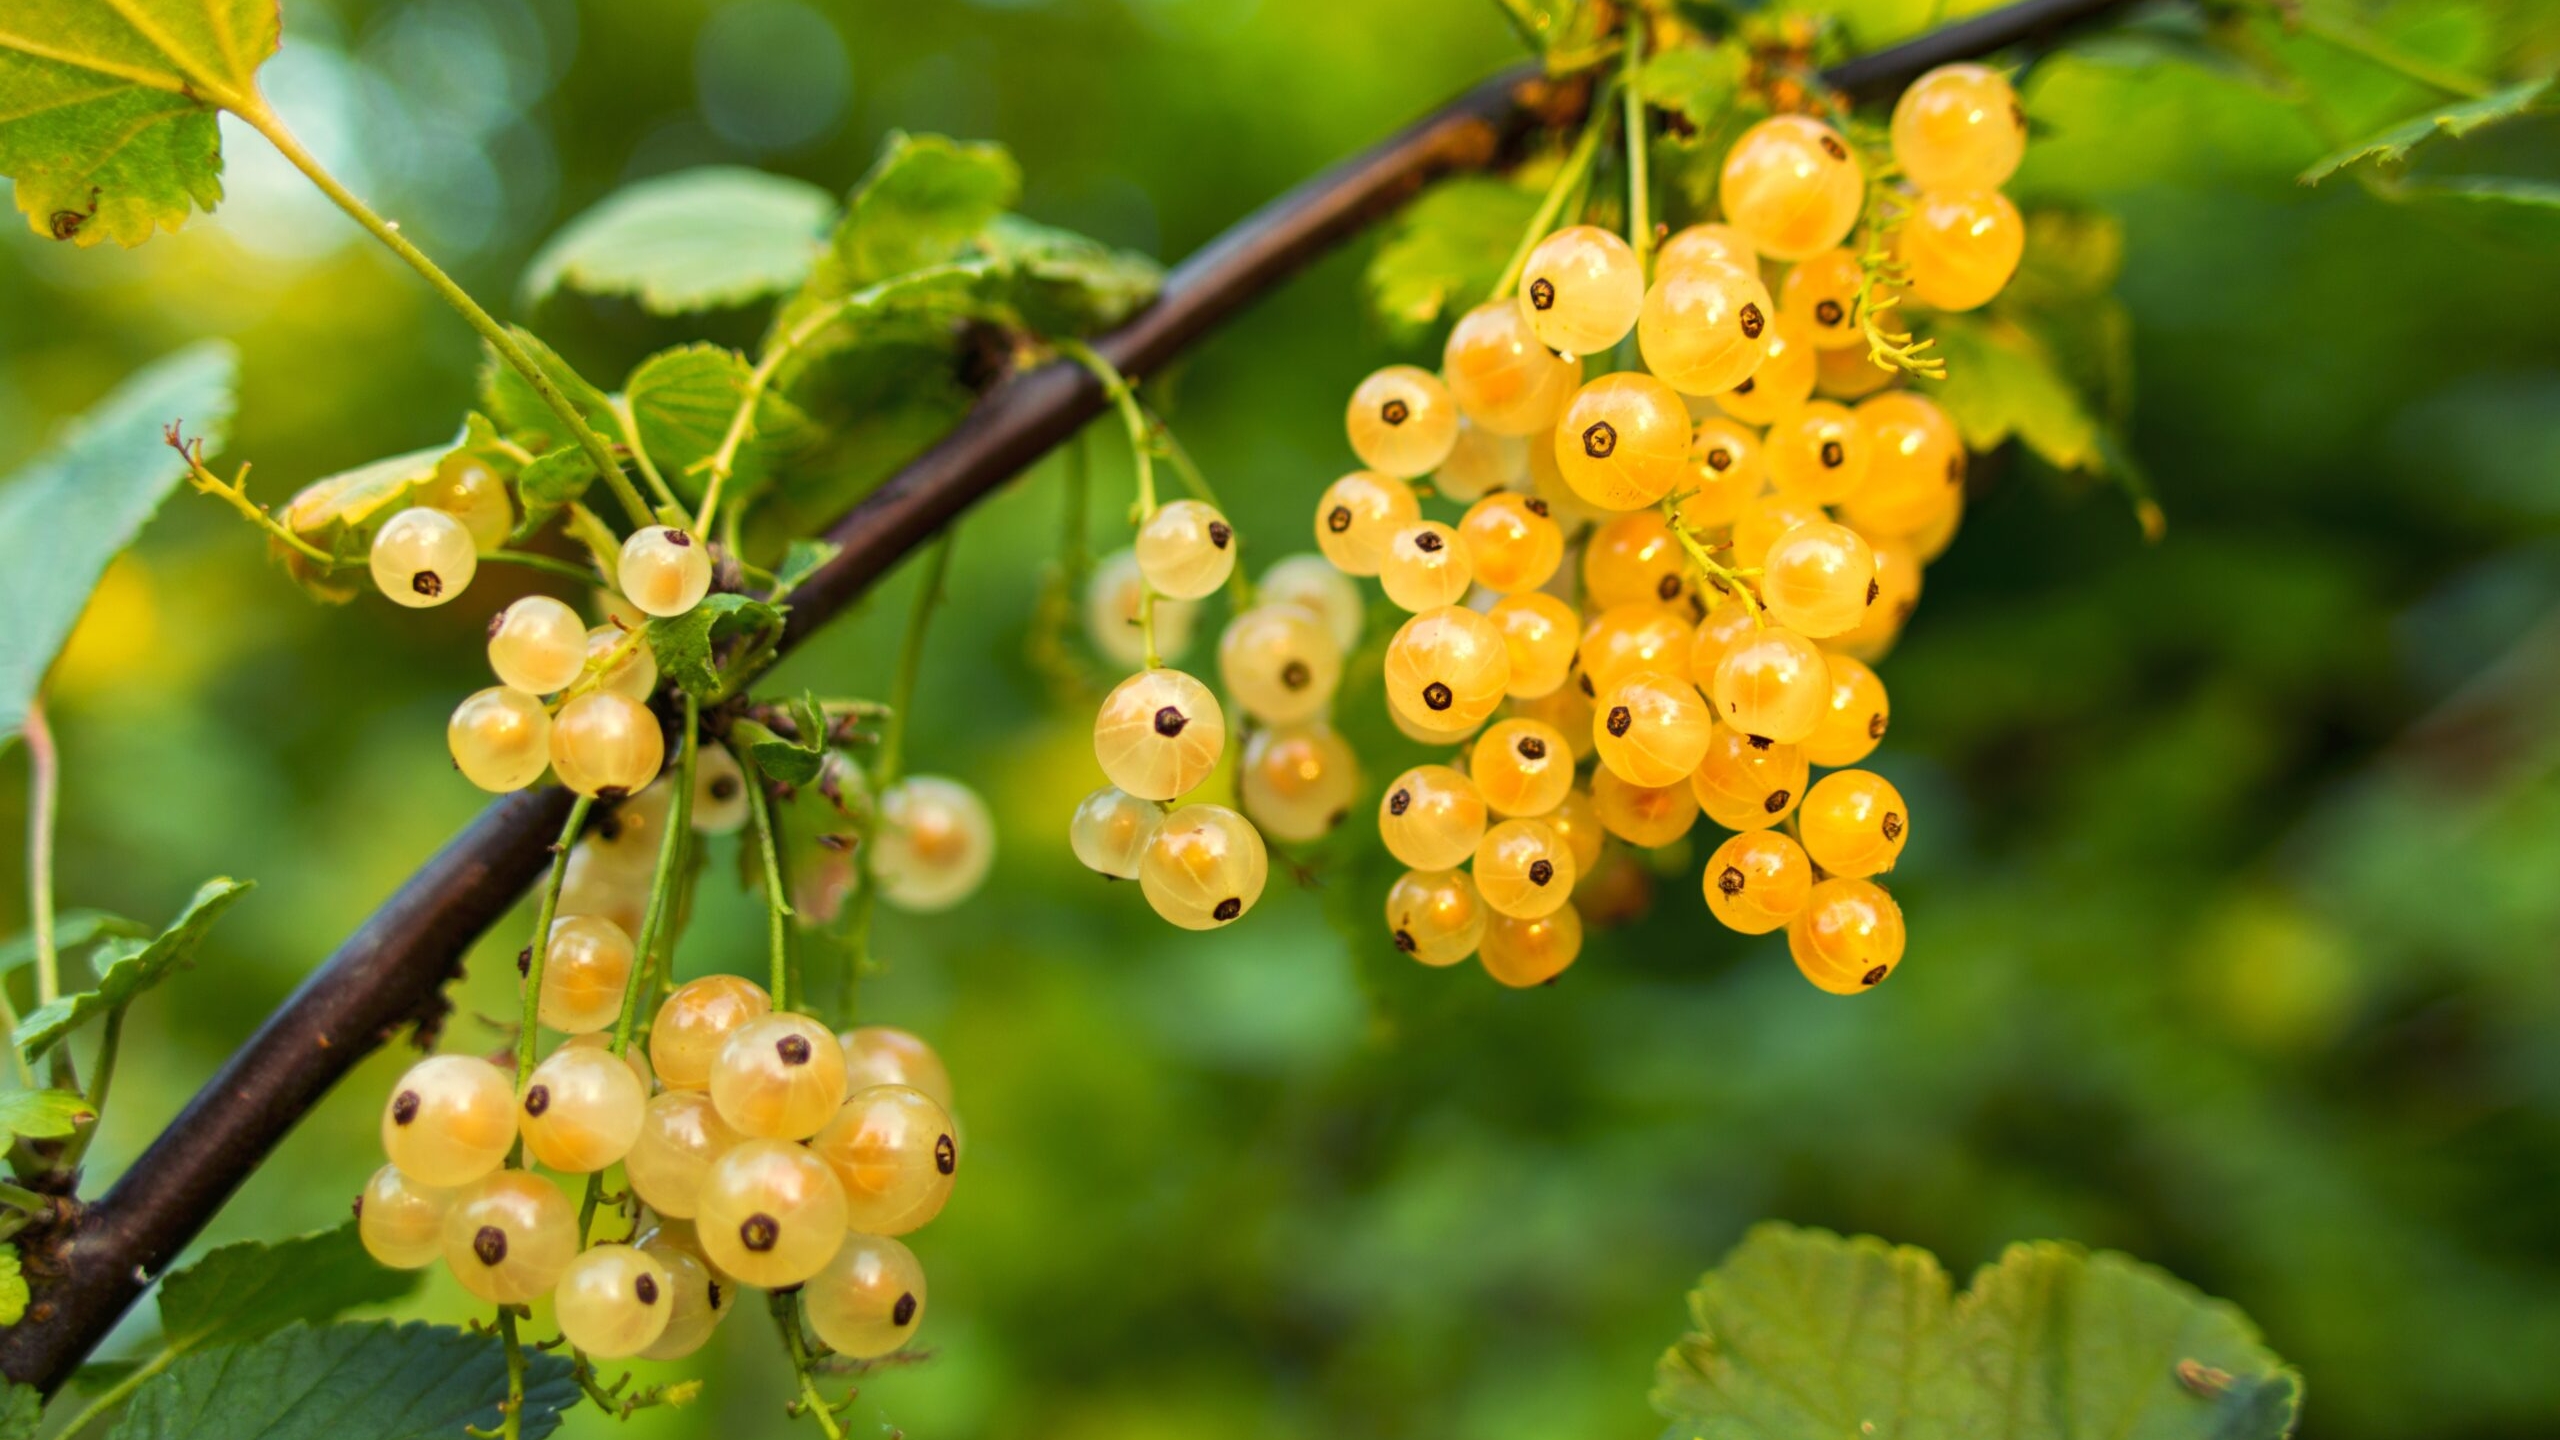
<point x="602" y="545"/>
<point x="2393" y="146"/>
<point x="682" y="400"/>
<point x="511" y="401"/>
<point x="555" y="480"/>
<point x="699" y="239"/>
<point x="250" y="1290"/>
<point x="335" y="512"/>
<point x="41" y="1115"/>
<point x="925" y="199"/>
<point x="2002" y="382"/>
<point x="13" y="1308"/>
<point x="804" y="558"/>
<point x="71" y="930"/>
<point x="2071" y="256"/>
<point x="68" y="511"/>
<point x="1695" y="82"/>
<point x="1445" y="253"/>
<point x="110" y="128"/>
<point x="789" y="761"/>
<point x="137" y="968"/>
<point x="1062" y="283"/>
<point x="683" y="643"/>
<point x="1803" y="1335"/>
<point x="380" y="1381"/>
<point x="2515" y="212"/>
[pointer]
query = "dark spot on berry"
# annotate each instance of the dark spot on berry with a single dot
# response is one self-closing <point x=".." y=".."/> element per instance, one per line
<point x="1600" y="441"/>
<point x="1541" y="871"/>
<point x="1753" y="322"/>
<point x="1730" y="882"/>
<point x="1532" y="748"/>
<point x="1404" y="941"/>
<point x="1719" y="459"/>
<point x="1829" y="312"/>
<point x="1395" y="412"/>
<point x="1399" y="802"/>
<point x="1892" y="825"/>
<point x="524" y="962"/>
<point x="712" y="1293"/>
<point x="612" y="792"/>
<point x="1338" y="519"/>
<point x="1832" y="454"/>
<point x="1220" y="532"/>
<point x="794" y="1049"/>
<point x="1587" y="692"/>
<point x="1534" y="505"/>
<point x="1776" y="802"/>
<point x="537" y="1100"/>
<point x="427" y="582"/>
<point x="1295" y="675"/>
<point x="1745" y="387"/>
<point x="645" y="1289"/>
<point x="1873" y="590"/>
<point x="1228" y="909"/>
<point x="404" y="1107"/>
<point x="678" y="538"/>
<point x="497" y="623"/>
<point x="490" y="1245"/>
<point x="2017" y="115"/>
<point x="1758" y="742"/>
<point x="946" y="1156"/>
<point x="1875" y="976"/>
<point x="1620" y="720"/>
<point x="904" y="1312"/>
<point x="1875" y="726"/>
<point x="1668" y="587"/>
<point x="724" y="788"/>
<point x="1336" y="818"/>
<point x="759" y="1231"/>
<point x="1542" y="293"/>
<point x="1832" y="147"/>
<point x="1429" y="542"/>
<point x="358" y="1207"/>
<point x="1170" y="720"/>
<point x="1437" y="696"/>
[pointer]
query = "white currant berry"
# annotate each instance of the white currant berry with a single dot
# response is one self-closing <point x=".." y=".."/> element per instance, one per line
<point x="895" y="1151"/>
<point x="772" y="1214"/>
<point x="778" y="1077"/>
<point x="509" y="1237"/>
<point x="581" y="1110"/>
<point x="664" y="570"/>
<point x="1204" y="867"/>
<point x="538" y="645"/>
<point x="719" y="791"/>
<point x="614" y="1301"/>
<point x="467" y="488"/>
<point x="869" y="1299"/>
<point x="635" y="674"/>
<point x="698" y="1299"/>
<point x="1312" y="581"/>
<point x="450" y="1120"/>
<point x="400" y="1221"/>
<point x="584" y="968"/>
<point x="606" y="744"/>
<point x="500" y="739"/>
<point x="1111" y="601"/>
<point x="1279" y="662"/>
<point x="423" y="557"/>
<point x="887" y="1055"/>
<point x="695" y="1022"/>
<point x="1110" y="830"/>
<point x="1159" y="734"/>
<point x="936" y="842"/>
<point x="681" y="1134"/>
<point x="1186" y="550"/>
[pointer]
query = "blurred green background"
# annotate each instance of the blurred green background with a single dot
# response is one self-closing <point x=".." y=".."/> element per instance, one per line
<point x="2234" y="901"/>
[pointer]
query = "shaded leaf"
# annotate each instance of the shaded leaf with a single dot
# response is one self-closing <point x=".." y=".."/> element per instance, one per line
<point x="1445" y="252"/>
<point x="698" y="239"/>
<point x="1695" y="82"/>
<point x="41" y="1115"/>
<point x="13" y="1308"/>
<point x="923" y="201"/>
<point x="1063" y="283"/>
<point x="555" y="480"/>
<point x="2515" y="212"/>
<point x="2071" y="255"/>
<point x="684" y="643"/>
<point x="510" y="399"/>
<point x="381" y="1381"/>
<point x="110" y="128"/>
<point x="336" y="512"/>
<point x="134" y="970"/>
<point x="71" y="930"/>
<point x="69" y="511"/>
<point x="789" y="761"/>
<point x="803" y="559"/>
<point x="2393" y="146"/>
<point x="243" y="1292"/>
<point x="682" y="400"/>
<point x="2001" y="382"/>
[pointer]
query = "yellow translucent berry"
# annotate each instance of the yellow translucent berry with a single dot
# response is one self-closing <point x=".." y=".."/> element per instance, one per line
<point x="1792" y="185"/>
<point x="581" y="1110"/>
<point x="1915" y="468"/>
<point x="1818" y="456"/>
<point x="1110" y="830"/>
<point x="1480" y="463"/>
<point x="606" y="744"/>
<point x="1186" y="549"/>
<point x="1279" y="662"/>
<point x="593" y="886"/>
<point x="1652" y="728"/>
<point x="1772" y="684"/>
<point x="1849" y="375"/>
<point x="1298" y="781"/>
<point x="1435" y="916"/>
<point x="778" y="1077"/>
<point x="1311" y="583"/>
<point x="1358" y="514"/>
<point x="1564" y="504"/>
<point x="1578" y="821"/>
<point x="1564" y="707"/>
<point x="1541" y="633"/>
<point x="1931" y="540"/>
<point x="632" y="1059"/>
<point x="1744" y="783"/>
<point x="1848" y="937"/>
<point x="627" y="837"/>
<point x="1513" y="543"/>
<point x="1581" y="289"/>
<point x="1819" y="299"/>
<point x="1854" y="720"/>
<point x="1783" y="381"/>
<point x="1725" y="473"/>
<point x="697" y="1300"/>
<point x="400" y="1221"/>
<point x="1159" y="734"/>
<point x="423" y="557"/>
<point x="895" y="1151"/>
<point x="450" y="1120"/>
<point x="1111" y="600"/>
<point x="772" y="1214"/>
<point x="538" y="645"/>
<point x="1705" y="329"/>
<point x="869" y="1300"/>
<point x="1729" y="621"/>
<point x="1707" y="245"/>
<point x="500" y="739"/>
<point x="1522" y="767"/>
<point x="1647" y="815"/>
<point x="583" y="970"/>
<point x="1960" y="248"/>
<point x="1757" y="881"/>
<point x="1447" y="668"/>
<point x="1897" y="595"/>
<point x="1817" y="579"/>
<point x="664" y="570"/>
<point x="1623" y="441"/>
<point x="631" y="670"/>
<point x="1402" y="421"/>
<point x="1854" y="823"/>
<point x="1524" y="869"/>
<point x="1959" y="127"/>
<point x="1633" y="559"/>
<point x="1204" y="868"/>
<point x="695" y="1022"/>
<point x="1431" y="817"/>
<point x="1501" y="375"/>
<point x="613" y="1302"/>
<point x="468" y="489"/>
<point x="681" y="1133"/>
<point x="1522" y="952"/>
<point x="1763" y="520"/>
<point x="1425" y="566"/>
<point x="1626" y="639"/>
<point x="887" y="1055"/>
<point x="508" y="1237"/>
<point x="936" y="842"/>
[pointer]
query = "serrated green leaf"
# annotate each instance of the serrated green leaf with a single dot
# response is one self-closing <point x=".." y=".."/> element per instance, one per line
<point x="804" y="558"/>
<point x="13" y="1308"/>
<point x="71" y="930"/>
<point x="109" y="125"/>
<point x="788" y="761"/>
<point x="135" y="970"/>
<point x="2393" y="146"/>
<point x="2512" y="211"/>
<point x="923" y="201"/>
<point x="41" y="1115"/>
<point x="518" y="411"/>
<point x="244" y="1292"/>
<point x="1445" y="252"/>
<point x="381" y="1381"/>
<point x="1695" y="82"/>
<point x="335" y="511"/>
<point x="553" y="481"/>
<point x="67" y="512"/>
<point x="699" y="239"/>
<point x="684" y="643"/>
<point x="2002" y="382"/>
<point x="683" y="400"/>
<point x="1063" y="283"/>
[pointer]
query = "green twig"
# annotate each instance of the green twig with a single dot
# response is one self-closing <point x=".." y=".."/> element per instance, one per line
<point x="786" y="1318"/>
<point x="511" y="1419"/>
<point x="547" y="564"/>
<point x="1577" y="166"/>
<point x="538" y="952"/>
<point x="235" y="493"/>
<point x="630" y="422"/>
<point x="102" y="1072"/>
<point x="662" y="880"/>
<point x="1724" y="577"/>
<point x="44" y="785"/>
<point x="1133" y="418"/>
<point x="777" y="904"/>
<point x="1639" y="183"/>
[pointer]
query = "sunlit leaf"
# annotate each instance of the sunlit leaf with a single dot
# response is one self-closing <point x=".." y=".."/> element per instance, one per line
<point x="698" y="239"/>
<point x="42" y="1114"/>
<point x="135" y="968"/>
<point x="71" y="930"/>
<point x="922" y="202"/>
<point x="13" y="1308"/>
<point x="683" y="401"/>
<point x="2393" y="146"/>
<point x="1695" y="82"/>
<point x="2001" y="382"/>
<point x="684" y="644"/>
<point x="1063" y="283"/>
<point x="107" y="111"/>
<point x="380" y="1381"/>
<point x="1445" y="252"/>
<point x="803" y="559"/>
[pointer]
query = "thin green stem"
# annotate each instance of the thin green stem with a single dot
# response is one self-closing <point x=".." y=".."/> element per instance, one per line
<point x="1639" y="180"/>
<point x="742" y="421"/>
<point x="1186" y="470"/>
<point x="17" y="1057"/>
<point x="511" y="1419"/>
<point x="116" y="1394"/>
<point x="889" y="761"/>
<point x="777" y="903"/>
<point x="265" y="121"/>
<point x="102" y="1073"/>
<point x="24" y="1199"/>
<point x="786" y="1318"/>
<point x="1577" y="165"/>
<point x="1724" y="577"/>
<point x="235" y="493"/>
<point x="547" y="564"/>
<point x="1133" y="418"/>
<point x="44" y="783"/>
<point x="538" y="950"/>
<point x="2351" y="36"/>
<point x="662" y="881"/>
<point x="630" y="422"/>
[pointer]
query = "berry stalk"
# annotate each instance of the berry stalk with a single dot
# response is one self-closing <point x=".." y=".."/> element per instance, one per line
<point x="662" y="880"/>
<point x="539" y="950"/>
